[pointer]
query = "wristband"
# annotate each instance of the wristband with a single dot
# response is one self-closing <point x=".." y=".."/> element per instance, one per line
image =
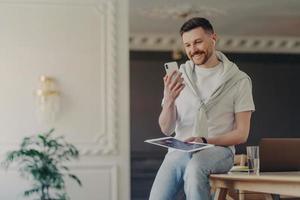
<point x="204" y="140"/>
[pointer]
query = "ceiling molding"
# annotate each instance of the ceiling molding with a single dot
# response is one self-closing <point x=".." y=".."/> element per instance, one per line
<point x="254" y="44"/>
<point x="181" y="11"/>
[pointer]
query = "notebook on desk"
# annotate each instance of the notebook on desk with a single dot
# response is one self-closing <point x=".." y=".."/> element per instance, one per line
<point x="279" y="154"/>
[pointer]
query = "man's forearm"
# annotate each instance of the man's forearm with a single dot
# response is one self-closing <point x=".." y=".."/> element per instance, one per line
<point x="238" y="135"/>
<point x="167" y="118"/>
<point x="233" y="137"/>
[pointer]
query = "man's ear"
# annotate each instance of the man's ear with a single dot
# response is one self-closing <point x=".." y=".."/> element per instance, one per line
<point x="214" y="39"/>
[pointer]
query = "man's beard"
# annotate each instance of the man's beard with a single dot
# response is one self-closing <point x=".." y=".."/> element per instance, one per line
<point x="204" y="57"/>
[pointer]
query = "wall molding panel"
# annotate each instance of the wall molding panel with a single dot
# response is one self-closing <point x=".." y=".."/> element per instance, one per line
<point x="83" y="46"/>
<point x="111" y="171"/>
<point x="107" y="172"/>
<point x="103" y="140"/>
<point x="151" y="42"/>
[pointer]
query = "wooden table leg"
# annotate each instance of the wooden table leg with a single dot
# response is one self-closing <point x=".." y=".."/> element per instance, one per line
<point x="268" y="197"/>
<point x="275" y="196"/>
<point x="241" y="195"/>
<point x="221" y="194"/>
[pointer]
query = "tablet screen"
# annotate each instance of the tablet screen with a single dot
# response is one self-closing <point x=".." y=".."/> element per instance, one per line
<point x="174" y="143"/>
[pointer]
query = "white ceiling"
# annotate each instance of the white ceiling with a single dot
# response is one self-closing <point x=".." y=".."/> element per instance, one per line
<point x="259" y="18"/>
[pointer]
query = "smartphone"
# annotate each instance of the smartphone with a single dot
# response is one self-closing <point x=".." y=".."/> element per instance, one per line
<point x="170" y="67"/>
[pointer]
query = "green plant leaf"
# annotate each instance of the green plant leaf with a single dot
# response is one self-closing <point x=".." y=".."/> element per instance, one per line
<point x="32" y="191"/>
<point x="75" y="178"/>
<point x="41" y="159"/>
<point x="65" y="168"/>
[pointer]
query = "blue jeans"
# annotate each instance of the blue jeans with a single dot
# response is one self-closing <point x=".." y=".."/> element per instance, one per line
<point x="191" y="171"/>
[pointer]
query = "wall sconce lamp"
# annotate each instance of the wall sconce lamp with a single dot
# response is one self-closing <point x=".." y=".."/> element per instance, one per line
<point x="178" y="53"/>
<point x="48" y="100"/>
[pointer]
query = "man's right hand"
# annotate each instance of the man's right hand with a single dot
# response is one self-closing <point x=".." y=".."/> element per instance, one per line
<point x="173" y="85"/>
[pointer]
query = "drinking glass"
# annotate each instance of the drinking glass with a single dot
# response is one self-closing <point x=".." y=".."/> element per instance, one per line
<point x="253" y="159"/>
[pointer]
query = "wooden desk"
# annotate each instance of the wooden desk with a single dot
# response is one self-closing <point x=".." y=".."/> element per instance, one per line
<point x="282" y="183"/>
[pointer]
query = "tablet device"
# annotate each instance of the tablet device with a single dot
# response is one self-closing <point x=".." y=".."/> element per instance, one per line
<point x="173" y="143"/>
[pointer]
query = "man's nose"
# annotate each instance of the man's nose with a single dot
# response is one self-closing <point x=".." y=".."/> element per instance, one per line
<point x="193" y="49"/>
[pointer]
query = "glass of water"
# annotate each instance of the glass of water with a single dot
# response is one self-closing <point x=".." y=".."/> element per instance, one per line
<point x="253" y="159"/>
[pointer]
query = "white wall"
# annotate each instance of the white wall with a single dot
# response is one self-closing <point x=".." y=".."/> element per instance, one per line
<point x="83" y="44"/>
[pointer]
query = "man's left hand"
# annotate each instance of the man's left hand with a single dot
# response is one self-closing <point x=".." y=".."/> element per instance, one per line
<point x="194" y="139"/>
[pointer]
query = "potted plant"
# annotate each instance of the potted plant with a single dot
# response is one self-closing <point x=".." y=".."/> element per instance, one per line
<point x="41" y="159"/>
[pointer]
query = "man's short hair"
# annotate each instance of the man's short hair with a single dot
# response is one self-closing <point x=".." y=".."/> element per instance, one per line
<point x="195" y="23"/>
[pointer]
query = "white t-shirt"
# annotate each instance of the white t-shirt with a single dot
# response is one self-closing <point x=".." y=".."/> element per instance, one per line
<point x="207" y="79"/>
<point x="221" y="117"/>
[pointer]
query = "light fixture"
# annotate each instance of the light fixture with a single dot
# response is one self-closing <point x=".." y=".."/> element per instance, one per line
<point x="48" y="100"/>
<point x="177" y="54"/>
